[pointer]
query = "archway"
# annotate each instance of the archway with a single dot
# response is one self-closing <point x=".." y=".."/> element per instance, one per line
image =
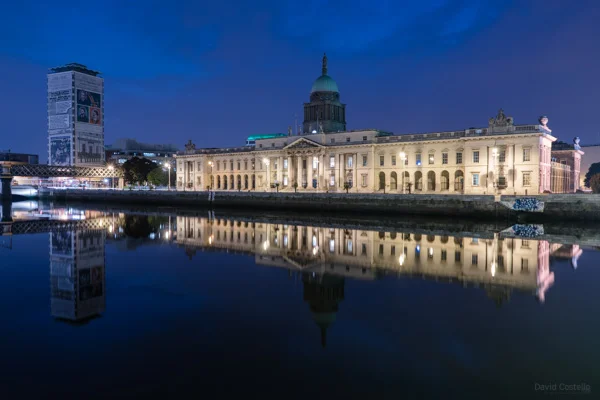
<point x="239" y="182"/>
<point x="382" y="181"/>
<point x="253" y="182"/>
<point x="445" y="180"/>
<point x="394" y="181"/>
<point x="459" y="181"/>
<point x="418" y="180"/>
<point x="245" y="182"/>
<point x="231" y="182"/>
<point x="431" y="180"/>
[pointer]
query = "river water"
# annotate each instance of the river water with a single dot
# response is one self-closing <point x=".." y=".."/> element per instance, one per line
<point x="104" y="304"/>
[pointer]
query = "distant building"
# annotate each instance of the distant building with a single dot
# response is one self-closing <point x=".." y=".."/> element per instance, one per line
<point x="19" y="157"/>
<point x="75" y="116"/>
<point x="251" y="141"/>
<point x="125" y="149"/>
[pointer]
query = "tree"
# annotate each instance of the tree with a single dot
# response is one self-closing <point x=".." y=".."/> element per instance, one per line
<point x="158" y="177"/>
<point x="595" y="183"/>
<point x="594" y="169"/>
<point x="136" y="170"/>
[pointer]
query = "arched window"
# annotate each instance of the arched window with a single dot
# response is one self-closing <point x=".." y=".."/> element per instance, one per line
<point x="225" y="182"/>
<point x="418" y="180"/>
<point x="459" y="181"/>
<point x="382" y="181"/>
<point x="431" y="180"/>
<point x="231" y="181"/>
<point x="239" y="182"/>
<point x="445" y="180"/>
<point x="393" y="181"/>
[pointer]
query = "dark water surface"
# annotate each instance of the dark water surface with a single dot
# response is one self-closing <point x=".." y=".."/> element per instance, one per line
<point x="105" y="305"/>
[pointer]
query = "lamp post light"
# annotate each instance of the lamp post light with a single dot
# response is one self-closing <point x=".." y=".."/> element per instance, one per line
<point x="267" y="162"/>
<point x="210" y="163"/>
<point x="403" y="161"/>
<point x="168" y="165"/>
<point x="111" y="168"/>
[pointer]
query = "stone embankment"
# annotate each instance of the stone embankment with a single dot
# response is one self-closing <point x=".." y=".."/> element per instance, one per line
<point x="583" y="207"/>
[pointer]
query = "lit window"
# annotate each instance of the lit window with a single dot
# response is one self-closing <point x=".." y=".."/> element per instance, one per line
<point x="364" y="161"/>
<point x="332" y="140"/>
<point x="526" y="154"/>
<point x="332" y="162"/>
<point x="350" y="162"/>
<point x="459" y="158"/>
<point x="502" y="157"/>
<point x="349" y="246"/>
<point x="347" y="139"/>
<point x="315" y="163"/>
<point x="285" y="163"/>
<point x="474" y="259"/>
<point x="332" y="246"/>
<point x="431" y="159"/>
<point x="285" y="181"/>
<point x="364" y="138"/>
<point x="444" y="158"/>
<point x="240" y="165"/>
<point x="393" y="160"/>
<point x="332" y="180"/>
<point x="381" y="161"/>
<point x="501" y="181"/>
<point x="475" y="179"/>
<point x="363" y="180"/>
<point x="476" y="156"/>
<point x="526" y="178"/>
<point x="418" y="158"/>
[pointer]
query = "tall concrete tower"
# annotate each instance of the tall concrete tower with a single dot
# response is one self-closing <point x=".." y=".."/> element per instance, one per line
<point x="75" y="116"/>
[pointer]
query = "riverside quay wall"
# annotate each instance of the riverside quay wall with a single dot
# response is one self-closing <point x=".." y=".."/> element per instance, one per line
<point x="583" y="207"/>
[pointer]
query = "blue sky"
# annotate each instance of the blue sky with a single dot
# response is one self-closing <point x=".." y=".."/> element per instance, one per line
<point x="218" y="72"/>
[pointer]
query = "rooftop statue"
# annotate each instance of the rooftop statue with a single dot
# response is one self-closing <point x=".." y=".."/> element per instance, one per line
<point x="544" y="123"/>
<point x="501" y="120"/>
<point x="576" y="143"/>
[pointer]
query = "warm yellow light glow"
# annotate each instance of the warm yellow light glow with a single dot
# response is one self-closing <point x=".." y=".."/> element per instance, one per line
<point x="265" y="245"/>
<point x="401" y="259"/>
<point x="493" y="268"/>
<point x="167" y="234"/>
<point x="430" y="252"/>
<point x="402" y="155"/>
<point x="111" y="167"/>
<point x="266" y="161"/>
<point x="314" y="251"/>
<point x="210" y="239"/>
<point x="111" y="229"/>
<point x="168" y="165"/>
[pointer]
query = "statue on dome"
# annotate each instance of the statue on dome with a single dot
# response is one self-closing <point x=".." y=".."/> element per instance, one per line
<point x="544" y="123"/>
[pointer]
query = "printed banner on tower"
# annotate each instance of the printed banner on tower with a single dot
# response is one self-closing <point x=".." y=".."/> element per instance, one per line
<point x="60" y="150"/>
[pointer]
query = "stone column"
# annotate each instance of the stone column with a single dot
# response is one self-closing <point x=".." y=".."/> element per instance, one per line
<point x="280" y="171"/>
<point x="355" y="166"/>
<point x="299" y="171"/>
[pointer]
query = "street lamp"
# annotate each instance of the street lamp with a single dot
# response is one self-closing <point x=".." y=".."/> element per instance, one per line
<point x="111" y="168"/>
<point x="210" y="163"/>
<point x="403" y="161"/>
<point x="267" y="162"/>
<point x="168" y="165"/>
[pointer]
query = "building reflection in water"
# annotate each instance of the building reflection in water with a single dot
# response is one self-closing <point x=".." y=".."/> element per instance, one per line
<point x="77" y="276"/>
<point x="495" y="264"/>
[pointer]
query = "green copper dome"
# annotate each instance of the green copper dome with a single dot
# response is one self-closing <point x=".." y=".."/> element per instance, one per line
<point x="324" y="83"/>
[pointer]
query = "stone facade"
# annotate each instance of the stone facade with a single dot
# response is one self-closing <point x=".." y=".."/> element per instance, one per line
<point x="500" y="159"/>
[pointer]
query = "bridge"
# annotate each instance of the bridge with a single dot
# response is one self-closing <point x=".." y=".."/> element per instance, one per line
<point x="10" y="169"/>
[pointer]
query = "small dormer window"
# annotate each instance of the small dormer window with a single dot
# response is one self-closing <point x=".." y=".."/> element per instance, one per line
<point x="332" y="140"/>
<point x="347" y="139"/>
<point x="272" y="144"/>
<point x="364" y="138"/>
<point x="260" y="145"/>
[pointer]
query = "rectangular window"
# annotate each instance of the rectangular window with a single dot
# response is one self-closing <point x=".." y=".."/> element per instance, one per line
<point x="332" y="162"/>
<point x="381" y="161"/>
<point x="332" y="180"/>
<point x="246" y="165"/>
<point x="285" y="163"/>
<point x="444" y="158"/>
<point x="476" y="156"/>
<point x="218" y="165"/>
<point x="285" y="181"/>
<point x="406" y="160"/>
<point x="526" y="154"/>
<point x="474" y="259"/>
<point x="363" y="180"/>
<point x="315" y="163"/>
<point x="303" y="164"/>
<point x="380" y="249"/>
<point x="240" y="165"/>
<point x="524" y="265"/>
<point x="475" y="179"/>
<point x="332" y="140"/>
<point x="393" y="160"/>
<point x="350" y="162"/>
<point x="364" y="138"/>
<point x="393" y="251"/>
<point x="502" y="156"/>
<point x="231" y="165"/>
<point x="364" y="161"/>
<point x="430" y="159"/>
<point x="199" y="165"/>
<point x="459" y="158"/>
<point x="457" y="256"/>
<point x="363" y="249"/>
<point x="443" y="255"/>
<point x="418" y="158"/>
<point x="347" y="139"/>
<point x="502" y="181"/>
<point x="526" y="178"/>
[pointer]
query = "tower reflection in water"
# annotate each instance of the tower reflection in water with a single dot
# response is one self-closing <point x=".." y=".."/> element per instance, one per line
<point x="77" y="275"/>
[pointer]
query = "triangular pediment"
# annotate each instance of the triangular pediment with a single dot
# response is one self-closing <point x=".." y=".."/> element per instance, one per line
<point x="303" y="143"/>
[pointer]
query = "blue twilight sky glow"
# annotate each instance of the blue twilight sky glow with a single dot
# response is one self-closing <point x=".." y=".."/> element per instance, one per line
<point x="216" y="72"/>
